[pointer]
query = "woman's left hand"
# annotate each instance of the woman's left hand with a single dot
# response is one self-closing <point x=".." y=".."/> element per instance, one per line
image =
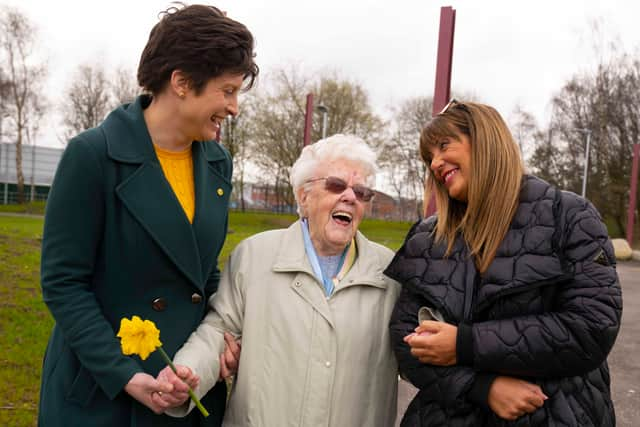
<point x="434" y="343"/>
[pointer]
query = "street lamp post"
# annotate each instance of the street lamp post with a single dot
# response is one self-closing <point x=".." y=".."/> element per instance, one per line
<point x="324" y="110"/>
<point x="586" y="159"/>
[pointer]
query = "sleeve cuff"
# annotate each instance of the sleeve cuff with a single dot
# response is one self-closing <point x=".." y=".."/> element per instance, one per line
<point x="479" y="393"/>
<point x="464" y="345"/>
<point x="114" y="382"/>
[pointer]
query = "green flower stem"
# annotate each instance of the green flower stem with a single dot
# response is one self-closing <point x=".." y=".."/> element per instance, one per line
<point x="202" y="409"/>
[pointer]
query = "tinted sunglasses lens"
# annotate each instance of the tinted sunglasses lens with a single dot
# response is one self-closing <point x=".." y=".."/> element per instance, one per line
<point x="363" y="193"/>
<point x="335" y="185"/>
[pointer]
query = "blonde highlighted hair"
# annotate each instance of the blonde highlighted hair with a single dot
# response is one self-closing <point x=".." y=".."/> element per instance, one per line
<point x="494" y="179"/>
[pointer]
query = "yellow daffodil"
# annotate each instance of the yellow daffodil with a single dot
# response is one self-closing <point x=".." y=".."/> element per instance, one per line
<point x="141" y="337"/>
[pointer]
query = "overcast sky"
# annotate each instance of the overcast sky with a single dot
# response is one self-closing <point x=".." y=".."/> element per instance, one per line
<point x="505" y="52"/>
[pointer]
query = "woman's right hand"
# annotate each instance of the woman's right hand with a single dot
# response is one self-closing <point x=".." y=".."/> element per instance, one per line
<point x="143" y="387"/>
<point x="510" y="398"/>
<point x="182" y="381"/>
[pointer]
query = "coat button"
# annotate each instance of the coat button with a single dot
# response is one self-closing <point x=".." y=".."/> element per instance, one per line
<point x="220" y="192"/>
<point x="159" y="304"/>
<point x="327" y="364"/>
<point x="196" y="298"/>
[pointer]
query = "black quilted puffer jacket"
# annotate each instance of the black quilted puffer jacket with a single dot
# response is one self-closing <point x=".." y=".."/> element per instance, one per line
<point x="547" y="310"/>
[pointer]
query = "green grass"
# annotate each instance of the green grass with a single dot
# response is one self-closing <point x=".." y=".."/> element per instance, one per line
<point x="32" y="208"/>
<point x="25" y="323"/>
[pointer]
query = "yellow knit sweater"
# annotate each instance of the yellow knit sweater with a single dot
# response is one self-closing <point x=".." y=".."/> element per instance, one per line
<point x="178" y="169"/>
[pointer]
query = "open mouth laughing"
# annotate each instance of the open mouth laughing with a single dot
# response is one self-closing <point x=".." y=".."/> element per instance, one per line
<point x="342" y="218"/>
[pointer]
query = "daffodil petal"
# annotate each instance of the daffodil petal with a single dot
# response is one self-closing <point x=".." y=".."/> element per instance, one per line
<point x="138" y="337"/>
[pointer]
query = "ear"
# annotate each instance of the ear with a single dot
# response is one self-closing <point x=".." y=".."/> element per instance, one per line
<point x="303" y="196"/>
<point x="179" y="83"/>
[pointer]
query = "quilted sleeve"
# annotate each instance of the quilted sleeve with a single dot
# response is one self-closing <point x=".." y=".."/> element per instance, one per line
<point x="448" y="386"/>
<point x="576" y="336"/>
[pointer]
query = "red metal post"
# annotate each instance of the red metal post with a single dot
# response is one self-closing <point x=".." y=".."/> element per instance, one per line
<point x="308" y="120"/>
<point x="442" y="88"/>
<point x="632" y="196"/>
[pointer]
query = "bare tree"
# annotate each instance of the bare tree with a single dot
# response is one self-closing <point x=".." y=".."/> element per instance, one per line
<point x="275" y="117"/>
<point x="86" y="101"/>
<point x="4" y="95"/>
<point x="525" y="130"/>
<point x="24" y="76"/>
<point x="236" y="138"/>
<point x="124" y="87"/>
<point x="348" y="109"/>
<point x="606" y="102"/>
<point x="400" y="154"/>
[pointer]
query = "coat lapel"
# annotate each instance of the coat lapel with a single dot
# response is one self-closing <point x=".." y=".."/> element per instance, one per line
<point x="146" y="193"/>
<point x="292" y="258"/>
<point x="212" y="190"/>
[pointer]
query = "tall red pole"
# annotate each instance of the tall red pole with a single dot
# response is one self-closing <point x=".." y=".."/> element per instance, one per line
<point x="442" y="88"/>
<point x="308" y="119"/>
<point x="634" y="191"/>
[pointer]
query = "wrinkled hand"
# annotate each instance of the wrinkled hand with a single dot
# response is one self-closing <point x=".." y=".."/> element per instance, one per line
<point x="230" y="358"/>
<point x="510" y="398"/>
<point x="180" y="383"/>
<point x="143" y="387"/>
<point x="434" y="343"/>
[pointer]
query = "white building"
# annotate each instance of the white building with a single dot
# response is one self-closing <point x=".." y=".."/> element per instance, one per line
<point x="38" y="167"/>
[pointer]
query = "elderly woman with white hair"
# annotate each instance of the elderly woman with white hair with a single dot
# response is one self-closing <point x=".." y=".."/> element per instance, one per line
<point x="311" y="305"/>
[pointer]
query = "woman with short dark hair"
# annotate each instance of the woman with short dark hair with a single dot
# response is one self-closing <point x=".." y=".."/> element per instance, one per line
<point x="135" y="221"/>
<point x="510" y="300"/>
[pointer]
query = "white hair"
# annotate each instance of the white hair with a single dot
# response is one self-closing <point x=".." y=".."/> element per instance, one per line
<point x="331" y="149"/>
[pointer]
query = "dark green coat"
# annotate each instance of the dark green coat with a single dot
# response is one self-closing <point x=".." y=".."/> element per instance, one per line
<point x="117" y="243"/>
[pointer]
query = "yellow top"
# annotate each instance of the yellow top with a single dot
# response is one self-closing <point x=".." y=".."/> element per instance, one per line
<point x="178" y="169"/>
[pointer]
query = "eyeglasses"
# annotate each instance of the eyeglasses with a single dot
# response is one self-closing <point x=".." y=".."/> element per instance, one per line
<point x="453" y="104"/>
<point x="336" y="185"/>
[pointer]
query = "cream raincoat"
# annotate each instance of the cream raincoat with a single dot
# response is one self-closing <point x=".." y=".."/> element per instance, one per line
<point x="306" y="360"/>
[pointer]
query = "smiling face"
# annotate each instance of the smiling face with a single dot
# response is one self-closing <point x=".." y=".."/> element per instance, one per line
<point x="203" y="113"/>
<point x="333" y="218"/>
<point x="451" y="165"/>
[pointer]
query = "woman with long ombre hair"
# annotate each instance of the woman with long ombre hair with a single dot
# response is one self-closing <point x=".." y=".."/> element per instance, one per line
<point x="510" y="301"/>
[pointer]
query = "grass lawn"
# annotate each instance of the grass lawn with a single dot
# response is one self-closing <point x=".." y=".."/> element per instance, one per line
<point x="25" y="323"/>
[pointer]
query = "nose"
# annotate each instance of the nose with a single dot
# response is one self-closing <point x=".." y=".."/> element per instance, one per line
<point x="232" y="106"/>
<point x="436" y="162"/>
<point x="348" y="196"/>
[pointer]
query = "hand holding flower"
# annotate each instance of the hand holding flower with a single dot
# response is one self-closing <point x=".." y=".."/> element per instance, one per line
<point x="143" y="338"/>
<point x="182" y="380"/>
<point x="143" y="387"/>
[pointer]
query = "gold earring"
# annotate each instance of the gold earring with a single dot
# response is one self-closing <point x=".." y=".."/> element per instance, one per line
<point x="181" y="94"/>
